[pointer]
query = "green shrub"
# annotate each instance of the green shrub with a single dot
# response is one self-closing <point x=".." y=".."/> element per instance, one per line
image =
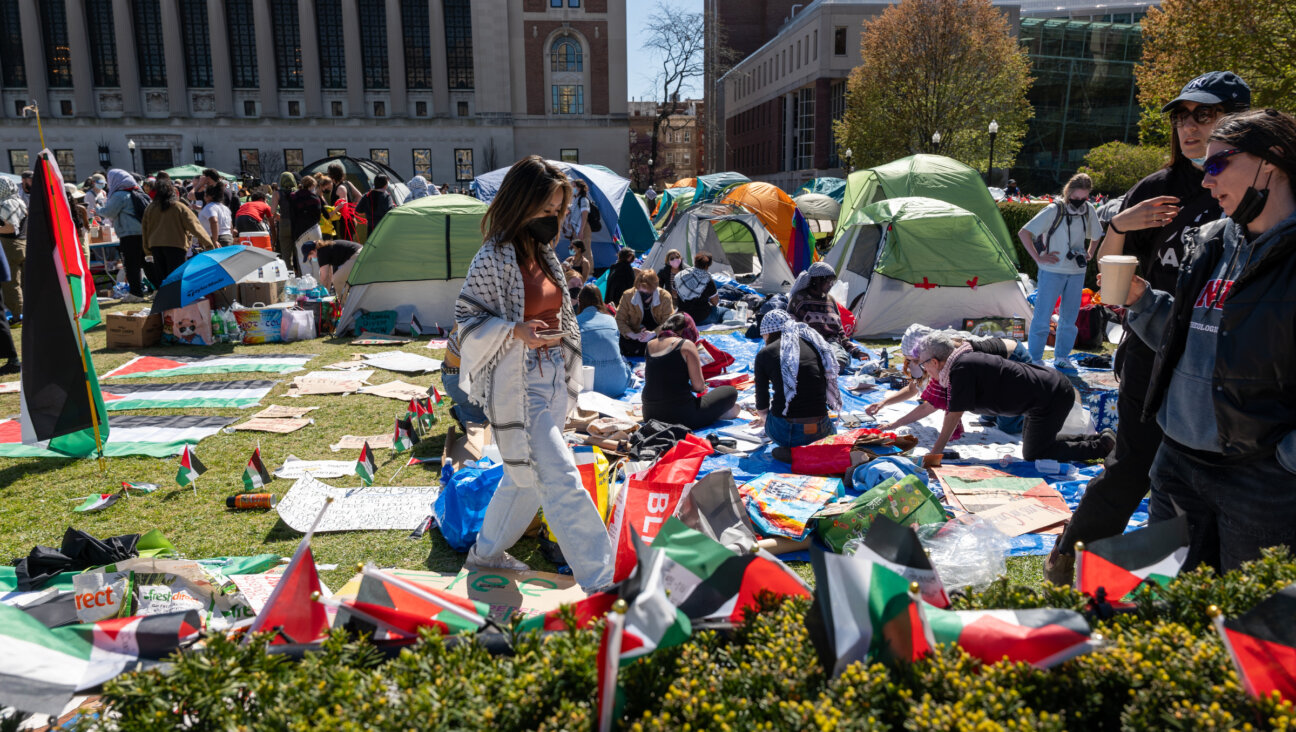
<point x="1161" y="668"/>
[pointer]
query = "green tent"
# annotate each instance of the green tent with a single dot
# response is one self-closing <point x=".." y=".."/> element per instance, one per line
<point x="712" y="187"/>
<point x="930" y="176"/>
<point x="415" y="261"/>
<point x="669" y="203"/>
<point x="834" y="188"/>
<point x="185" y="172"/>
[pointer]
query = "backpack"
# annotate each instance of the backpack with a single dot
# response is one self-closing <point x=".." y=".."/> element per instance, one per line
<point x="139" y="202"/>
<point x="595" y="219"/>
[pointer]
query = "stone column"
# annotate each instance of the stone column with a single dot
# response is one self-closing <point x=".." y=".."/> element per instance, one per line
<point x="311" y="81"/>
<point x="399" y="103"/>
<point x="127" y="61"/>
<point x="354" y="62"/>
<point x="82" y="71"/>
<point x="222" y="75"/>
<point x="174" y="52"/>
<point x="34" y="55"/>
<point x="440" y="69"/>
<point x="267" y="69"/>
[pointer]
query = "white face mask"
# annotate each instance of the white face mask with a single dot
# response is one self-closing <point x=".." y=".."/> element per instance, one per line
<point x="675" y="262"/>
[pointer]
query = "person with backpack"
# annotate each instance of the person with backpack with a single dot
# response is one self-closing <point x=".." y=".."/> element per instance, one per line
<point x="13" y="234"/>
<point x="125" y="208"/>
<point x="576" y="225"/>
<point x="1061" y="239"/>
<point x="375" y="204"/>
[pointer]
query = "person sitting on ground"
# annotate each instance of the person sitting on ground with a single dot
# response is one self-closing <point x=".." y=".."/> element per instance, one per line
<point x="622" y="275"/>
<point x="798" y="366"/>
<point x="697" y="292"/>
<point x="672" y="377"/>
<point x="253" y="216"/>
<point x="599" y="347"/>
<point x="641" y="312"/>
<point x="463" y="409"/>
<point x="980" y="382"/>
<point x="574" y="282"/>
<point x="674" y="265"/>
<point x="1012" y="191"/>
<point x="215" y="217"/>
<point x="375" y="204"/>
<point x="810" y="303"/>
<point x="335" y="258"/>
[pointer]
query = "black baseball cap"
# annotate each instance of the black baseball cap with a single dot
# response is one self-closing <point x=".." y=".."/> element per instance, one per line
<point x="1215" y="87"/>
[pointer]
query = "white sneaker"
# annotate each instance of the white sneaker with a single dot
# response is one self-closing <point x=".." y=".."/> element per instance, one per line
<point x="503" y="561"/>
<point x="1063" y="364"/>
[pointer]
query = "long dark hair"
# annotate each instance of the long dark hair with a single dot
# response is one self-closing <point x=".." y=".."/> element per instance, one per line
<point x="525" y="191"/>
<point x="166" y="193"/>
<point x="1265" y="133"/>
<point x="590" y="297"/>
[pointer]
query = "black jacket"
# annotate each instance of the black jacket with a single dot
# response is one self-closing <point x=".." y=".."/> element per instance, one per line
<point x="1254" y="380"/>
<point x="620" y="279"/>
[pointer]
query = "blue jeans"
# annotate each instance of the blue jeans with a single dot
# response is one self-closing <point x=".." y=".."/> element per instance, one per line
<point x="1013" y="425"/>
<point x="1052" y="286"/>
<point x="791" y="434"/>
<point x="463" y="410"/>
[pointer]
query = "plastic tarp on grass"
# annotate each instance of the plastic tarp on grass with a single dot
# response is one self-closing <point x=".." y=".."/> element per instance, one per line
<point x="834" y="188"/>
<point x="361" y="173"/>
<point x="416" y="260"/>
<point x="711" y="187"/>
<point x="919" y="260"/>
<point x="738" y="242"/>
<point x="779" y="213"/>
<point x="929" y="176"/>
<point x="607" y="191"/>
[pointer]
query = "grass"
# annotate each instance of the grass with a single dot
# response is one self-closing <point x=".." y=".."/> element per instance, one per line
<point x="37" y="494"/>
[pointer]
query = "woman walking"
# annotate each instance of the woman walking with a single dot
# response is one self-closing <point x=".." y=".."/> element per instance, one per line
<point x="168" y="225"/>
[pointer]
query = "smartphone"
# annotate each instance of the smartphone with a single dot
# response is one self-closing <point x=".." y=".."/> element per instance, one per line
<point x="549" y="334"/>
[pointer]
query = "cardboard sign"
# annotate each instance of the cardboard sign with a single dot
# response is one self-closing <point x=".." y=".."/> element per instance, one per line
<point x="596" y="402"/>
<point x="377" y="339"/>
<point x="505" y="591"/>
<point x="256" y="588"/>
<point x="356" y="509"/>
<point x="410" y="363"/>
<point x="11" y="387"/>
<point x="1024" y="516"/>
<point x="274" y="411"/>
<point x="294" y="468"/>
<point x="396" y="390"/>
<point x="355" y="442"/>
<point x="276" y="426"/>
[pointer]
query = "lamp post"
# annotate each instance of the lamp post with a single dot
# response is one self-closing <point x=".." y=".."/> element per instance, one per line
<point x="994" y="132"/>
<point x="105" y="161"/>
<point x="131" y="145"/>
<point x="936" y="138"/>
<point x="650" y="171"/>
<point x="849" y="155"/>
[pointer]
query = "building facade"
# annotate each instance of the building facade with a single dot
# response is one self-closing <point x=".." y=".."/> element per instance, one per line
<point x="445" y="88"/>
<point x="680" y="145"/>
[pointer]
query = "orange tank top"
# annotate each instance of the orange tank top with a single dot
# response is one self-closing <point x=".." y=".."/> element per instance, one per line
<point x="543" y="296"/>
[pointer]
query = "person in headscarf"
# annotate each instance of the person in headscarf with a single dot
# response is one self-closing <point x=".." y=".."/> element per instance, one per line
<point x="282" y="217"/>
<point x="419" y="188"/>
<point x="810" y="303"/>
<point x="801" y="369"/>
<point x="13" y="229"/>
<point x="125" y="208"/>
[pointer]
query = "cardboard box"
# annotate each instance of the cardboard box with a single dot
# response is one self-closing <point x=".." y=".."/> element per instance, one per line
<point x="266" y="293"/>
<point x="133" y="330"/>
<point x="223" y="298"/>
<point x="1014" y="328"/>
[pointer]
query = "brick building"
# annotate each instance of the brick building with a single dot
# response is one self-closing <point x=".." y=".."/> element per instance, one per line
<point x="680" y="148"/>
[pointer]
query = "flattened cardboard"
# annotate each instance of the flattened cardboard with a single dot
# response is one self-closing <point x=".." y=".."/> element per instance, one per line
<point x="507" y="592"/>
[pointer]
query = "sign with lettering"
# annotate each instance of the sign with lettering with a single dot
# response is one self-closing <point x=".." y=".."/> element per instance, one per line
<point x="101" y="596"/>
<point x="356" y="509"/>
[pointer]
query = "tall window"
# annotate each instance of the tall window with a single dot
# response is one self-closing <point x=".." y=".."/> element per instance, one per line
<point x="373" y="43"/>
<point x="19" y="161"/>
<point x="568" y="99"/>
<point x="103" y="42"/>
<point x="837" y="108"/>
<point x="459" y="45"/>
<point x="805" y="102"/>
<point x="197" y="43"/>
<point x="293" y="159"/>
<point x="418" y="46"/>
<point x="58" y="57"/>
<point x="287" y="42"/>
<point x="423" y="162"/>
<point x="565" y="55"/>
<point x="250" y="162"/>
<point x="332" y="48"/>
<point x="11" y="45"/>
<point x="242" y="43"/>
<point x="66" y="160"/>
<point x="839" y="41"/>
<point x="380" y="155"/>
<point x="147" y="16"/>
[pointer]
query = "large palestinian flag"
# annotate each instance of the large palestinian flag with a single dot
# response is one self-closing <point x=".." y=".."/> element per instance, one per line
<point x="405" y="607"/>
<point x="43" y="668"/>
<point x="62" y="410"/>
<point x="131" y="435"/>
<point x="1119" y="564"/>
<point x="142" y="367"/>
<point x="1262" y="644"/>
<point x="1042" y="637"/>
<point x="897" y="548"/>
<point x="193" y="395"/>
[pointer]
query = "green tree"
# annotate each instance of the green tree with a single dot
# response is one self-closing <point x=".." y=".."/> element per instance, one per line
<point x="947" y="66"/>
<point x="1256" y="39"/>
<point x="1116" y="166"/>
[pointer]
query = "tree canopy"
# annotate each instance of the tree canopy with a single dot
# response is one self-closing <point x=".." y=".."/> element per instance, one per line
<point x="947" y="66"/>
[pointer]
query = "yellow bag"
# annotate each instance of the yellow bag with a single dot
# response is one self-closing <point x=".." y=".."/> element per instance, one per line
<point x="593" y="466"/>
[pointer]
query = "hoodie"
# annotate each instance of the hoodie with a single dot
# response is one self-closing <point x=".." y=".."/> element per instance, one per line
<point x="119" y="207"/>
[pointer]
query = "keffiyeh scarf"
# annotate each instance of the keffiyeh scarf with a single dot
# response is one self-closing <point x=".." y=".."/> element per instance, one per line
<point x="949" y="363"/>
<point x="790" y="362"/>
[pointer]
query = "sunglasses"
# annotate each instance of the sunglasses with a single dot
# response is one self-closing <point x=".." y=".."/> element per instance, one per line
<point x="1216" y="163"/>
<point x="1200" y="115"/>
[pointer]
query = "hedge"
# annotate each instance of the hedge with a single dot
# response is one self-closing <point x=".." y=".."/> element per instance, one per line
<point x="1016" y="214"/>
<point x="1162" y="667"/>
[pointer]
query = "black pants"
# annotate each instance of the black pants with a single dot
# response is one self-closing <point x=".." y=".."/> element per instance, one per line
<point x="694" y="412"/>
<point x="631" y="348"/>
<point x="249" y="225"/>
<point x="1114" y="495"/>
<point x="166" y="260"/>
<point x="1040" y="438"/>
<point x="132" y="251"/>
<point x="7" y="350"/>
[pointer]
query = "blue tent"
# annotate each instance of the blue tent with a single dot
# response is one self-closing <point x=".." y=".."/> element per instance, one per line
<point x="711" y="187"/>
<point x="834" y="188"/>
<point x="636" y="224"/>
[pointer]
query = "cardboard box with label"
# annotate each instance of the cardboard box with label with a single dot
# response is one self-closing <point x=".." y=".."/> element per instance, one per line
<point x="133" y="330"/>
<point x="264" y="293"/>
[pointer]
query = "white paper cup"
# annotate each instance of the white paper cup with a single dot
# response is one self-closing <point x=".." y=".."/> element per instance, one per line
<point x="1117" y="272"/>
<point x="587" y="378"/>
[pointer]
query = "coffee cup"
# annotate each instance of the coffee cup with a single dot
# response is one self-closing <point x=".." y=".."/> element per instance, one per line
<point x="1117" y="272"/>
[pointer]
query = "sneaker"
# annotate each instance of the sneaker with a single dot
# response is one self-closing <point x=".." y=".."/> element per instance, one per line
<point x="131" y="298"/>
<point x="1063" y="364"/>
<point x="782" y="454"/>
<point x="1107" y="440"/>
<point x="1059" y="568"/>
<point x="503" y="561"/>
<point x="12" y="367"/>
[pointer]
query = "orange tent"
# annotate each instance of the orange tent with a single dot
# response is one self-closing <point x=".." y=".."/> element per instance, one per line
<point x="683" y="183"/>
<point x="778" y="212"/>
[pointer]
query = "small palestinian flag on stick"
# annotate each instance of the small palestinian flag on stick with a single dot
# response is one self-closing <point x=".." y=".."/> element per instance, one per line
<point x="405" y="438"/>
<point x="190" y="468"/>
<point x="1262" y="644"/>
<point x="428" y="416"/>
<point x="365" y="465"/>
<point x="436" y="396"/>
<point x="897" y="548"/>
<point x="1116" y="566"/>
<point x="145" y="488"/>
<point x="416" y="328"/>
<point x="97" y="502"/>
<point x="1042" y="637"/>
<point x="255" y="475"/>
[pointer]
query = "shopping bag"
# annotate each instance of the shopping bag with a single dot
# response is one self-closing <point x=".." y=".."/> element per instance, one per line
<point x="715" y="361"/>
<point x="828" y="456"/>
<point x="782" y="504"/>
<point x="189" y="325"/>
<point x="593" y="467"/>
<point x="907" y="502"/>
<point x="461" y="506"/>
<point x="297" y="325"/>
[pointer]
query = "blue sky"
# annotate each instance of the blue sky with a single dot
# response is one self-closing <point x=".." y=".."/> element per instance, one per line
<point x="640" y="64"/>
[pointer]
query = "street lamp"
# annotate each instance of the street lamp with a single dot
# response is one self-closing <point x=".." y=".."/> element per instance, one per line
<point x="994" y="132"/>
<point x="131" y="145"/>
<point x="650" y="171"/>
<point x="936" y="138"/>
<point x="848" y="155"/>
<point x="105" y="161"/>
<point x="199" y="155"/>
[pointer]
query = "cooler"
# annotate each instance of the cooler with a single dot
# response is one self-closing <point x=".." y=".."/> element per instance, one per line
<point x="258" y="239"/>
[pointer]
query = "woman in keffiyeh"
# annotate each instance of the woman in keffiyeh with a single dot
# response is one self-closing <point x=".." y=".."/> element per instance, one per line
<point x="798" y="365"/>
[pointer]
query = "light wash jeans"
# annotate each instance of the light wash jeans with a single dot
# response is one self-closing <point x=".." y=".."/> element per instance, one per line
<point x="1051" y="286"/>
<point x="540" y="473"/>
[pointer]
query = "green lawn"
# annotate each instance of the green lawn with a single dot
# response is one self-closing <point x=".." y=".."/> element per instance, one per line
<point x="37" y="494"/>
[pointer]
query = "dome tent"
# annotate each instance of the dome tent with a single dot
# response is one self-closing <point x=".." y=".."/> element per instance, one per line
<point x="820" y="211"/>
<point x="711" y="187"/>
<point x="738" y="242"/>
<point x="779" y="213"/>
<point x="361" y="173"/>
<point x="834" y="188"/>
<point x="416" y="260"/>
<point x="920" y="260"/>
<point x="636" y="226"/>
<point x="669" y="203"/>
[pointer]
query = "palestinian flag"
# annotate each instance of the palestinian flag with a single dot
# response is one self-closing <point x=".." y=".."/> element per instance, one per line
<point x="897" y="548"/>
<point x="1117" y="565"/>
<point x="290" y="610"/>
<point x="97" y="503"/>
<point x="62" y="409"/>
<point x="142" y="367"/>
<point x="1042" y="637"/>
<point x="365" y="466"/>
<point x="415" y="409"/>
<point x="145" y="488"/>
<point x="43" y="668"/>
<point x="436" y="397"/>
<point x="428" y="416"/>
<point x="255" y="475"/>
<point x="190" y="468"/>
<point x="711" y="583"/>
<point x="416" y="328"/>
<point x="586" y="613"/>
<point x="863" y="611"/>
<point x="1262" y="644"/>
<point x="206" y="395"/>
<point x="403" y="606"/>
<point x="405" y="437"/>
<point x="158" y="437"/>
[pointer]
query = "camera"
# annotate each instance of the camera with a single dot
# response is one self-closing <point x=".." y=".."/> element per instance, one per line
<point x="1080" y="259"/>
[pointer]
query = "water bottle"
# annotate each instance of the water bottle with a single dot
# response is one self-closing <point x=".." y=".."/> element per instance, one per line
<point x="886" y="359"/>
<point x="293" y="289"/>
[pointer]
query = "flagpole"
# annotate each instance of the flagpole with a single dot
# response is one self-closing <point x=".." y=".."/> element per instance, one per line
<point x="369" y="570"/>
<point x="402" y="467"/>
<point x="607" y="697"/>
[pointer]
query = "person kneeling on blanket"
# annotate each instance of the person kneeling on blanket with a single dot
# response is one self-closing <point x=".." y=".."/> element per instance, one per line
<point x="797" y="363"/>
<point x="987" y="384"/>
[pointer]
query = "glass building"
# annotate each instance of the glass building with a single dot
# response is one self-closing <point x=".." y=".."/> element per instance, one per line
<point x="1084" y="95"/>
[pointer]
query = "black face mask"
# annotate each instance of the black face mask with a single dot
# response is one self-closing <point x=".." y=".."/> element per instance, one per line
<point x="1252" y="203"/>
<point x="543" y="229"/>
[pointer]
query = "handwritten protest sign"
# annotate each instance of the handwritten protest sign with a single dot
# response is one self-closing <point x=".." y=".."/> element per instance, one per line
<point x="356" y="509"/>
<point x="294" y="468"/>
<point x="1023" y="516"/>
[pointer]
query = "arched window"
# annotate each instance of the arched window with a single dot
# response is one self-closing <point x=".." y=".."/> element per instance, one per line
<point x="565" y="55"/>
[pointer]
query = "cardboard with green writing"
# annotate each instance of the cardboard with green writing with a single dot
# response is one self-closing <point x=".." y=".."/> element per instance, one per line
<point x="907" y="502"/>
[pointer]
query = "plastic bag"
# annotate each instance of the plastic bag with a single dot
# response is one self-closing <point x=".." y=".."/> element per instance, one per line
<point x="967" y="551"/>
<point x="1078" y="422"/>
<point x="461" y="505"/>
<point x="297" y="325"/>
